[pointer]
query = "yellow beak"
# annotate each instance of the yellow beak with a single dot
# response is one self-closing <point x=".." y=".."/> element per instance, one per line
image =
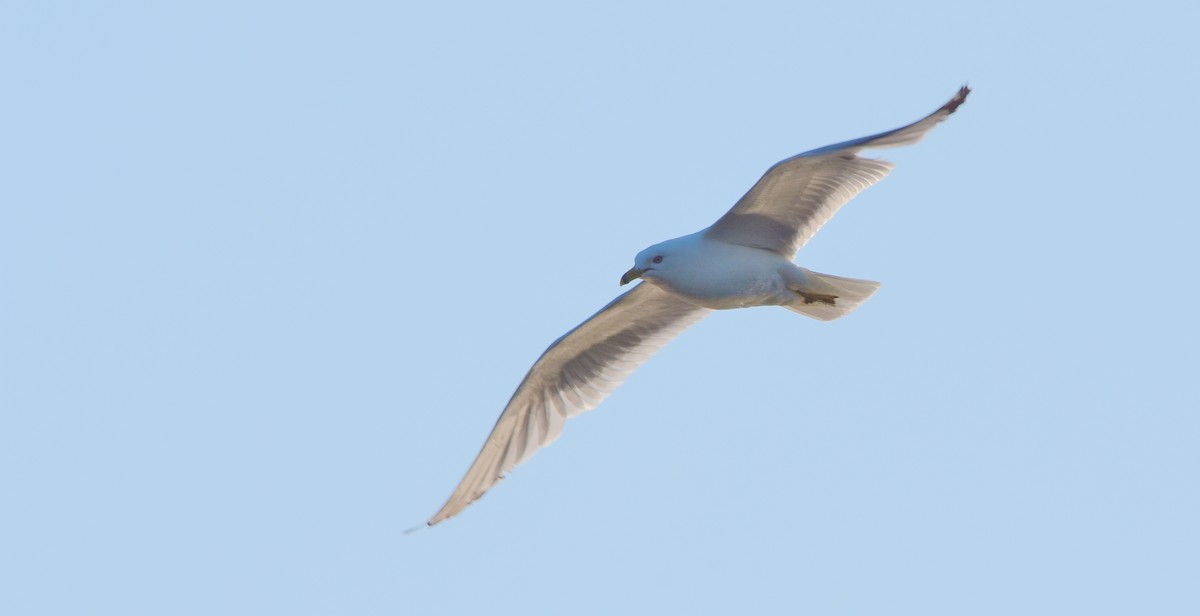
<point x="631" y="275"/>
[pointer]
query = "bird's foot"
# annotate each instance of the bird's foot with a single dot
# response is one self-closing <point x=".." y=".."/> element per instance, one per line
<point x="818" y="298"/>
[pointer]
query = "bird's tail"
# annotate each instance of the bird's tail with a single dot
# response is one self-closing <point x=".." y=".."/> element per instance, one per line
<point x="825" y="298"/>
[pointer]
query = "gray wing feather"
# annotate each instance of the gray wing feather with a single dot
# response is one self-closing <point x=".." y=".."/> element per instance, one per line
<point x="794" y="198"/>
<point x="573" y="375"/>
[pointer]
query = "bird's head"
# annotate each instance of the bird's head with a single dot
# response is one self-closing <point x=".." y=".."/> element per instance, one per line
<point x="653" y="261"/>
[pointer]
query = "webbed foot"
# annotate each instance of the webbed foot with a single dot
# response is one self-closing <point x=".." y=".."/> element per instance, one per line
<point x="818" y="298"/>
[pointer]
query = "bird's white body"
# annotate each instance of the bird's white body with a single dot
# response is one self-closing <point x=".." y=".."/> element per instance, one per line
<point x="718" y="275"/>
<point x="742" y="260"/>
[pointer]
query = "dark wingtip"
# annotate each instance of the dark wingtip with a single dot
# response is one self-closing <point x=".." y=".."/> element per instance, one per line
<point x="958" y="99"/>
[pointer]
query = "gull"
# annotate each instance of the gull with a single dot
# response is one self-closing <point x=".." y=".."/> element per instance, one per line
<point x="742" y="260"/>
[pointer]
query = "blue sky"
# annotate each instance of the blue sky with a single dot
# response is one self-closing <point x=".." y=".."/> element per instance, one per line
<point x="269" y="272"/>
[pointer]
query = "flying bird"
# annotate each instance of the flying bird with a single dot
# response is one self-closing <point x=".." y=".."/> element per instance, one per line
<point x="742" y="260"/>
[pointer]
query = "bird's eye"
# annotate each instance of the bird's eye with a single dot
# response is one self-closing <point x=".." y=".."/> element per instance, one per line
<point x="658" y="259"/>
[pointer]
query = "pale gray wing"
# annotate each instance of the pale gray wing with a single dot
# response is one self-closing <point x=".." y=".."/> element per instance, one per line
<point x="796" y="196"/>
<point x="574" y="375"/>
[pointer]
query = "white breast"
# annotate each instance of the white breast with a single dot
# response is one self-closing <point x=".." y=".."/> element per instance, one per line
<point x="722" y="276"/>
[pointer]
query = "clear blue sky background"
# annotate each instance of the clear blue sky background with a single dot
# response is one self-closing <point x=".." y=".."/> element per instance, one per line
<point x="269" y="272"/>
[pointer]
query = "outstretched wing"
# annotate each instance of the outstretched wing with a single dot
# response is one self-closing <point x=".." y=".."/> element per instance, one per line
<point x="574" y="375"/>
<point x="796" y="196"/>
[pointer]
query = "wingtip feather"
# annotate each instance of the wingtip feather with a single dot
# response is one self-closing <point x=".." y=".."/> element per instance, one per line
<point x="959" y="98"/>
